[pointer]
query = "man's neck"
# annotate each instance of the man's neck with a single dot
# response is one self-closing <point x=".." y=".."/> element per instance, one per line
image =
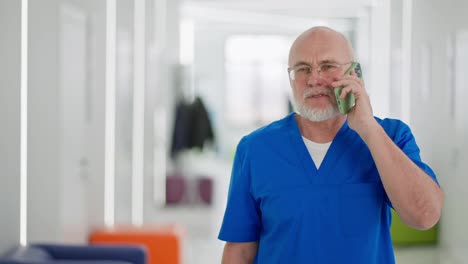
<point x="320" y="132"/>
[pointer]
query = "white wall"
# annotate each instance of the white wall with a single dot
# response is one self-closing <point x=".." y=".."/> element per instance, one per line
<point x="378" y="79"/>
<point x="43" y="132"/>
<point x="442" y="140"/>
<point x="124" y="112"/>
<point x="10" y="43"/>
<point x="55" y="213"/>
<point x="163" y="55"/>
<point x="440" y="136"/>
<point x="396" y="27"/>
<point x="67" y="114"/>
<point x="96" y="12"/>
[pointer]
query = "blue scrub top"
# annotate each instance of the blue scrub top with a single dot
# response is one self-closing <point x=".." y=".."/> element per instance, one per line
<point x="338" y="213"/>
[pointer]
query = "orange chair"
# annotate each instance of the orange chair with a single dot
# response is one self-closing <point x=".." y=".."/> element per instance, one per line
<point x="163" y="244"/>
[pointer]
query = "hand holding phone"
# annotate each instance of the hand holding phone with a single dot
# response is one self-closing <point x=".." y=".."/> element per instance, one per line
<point x="345" y="105"/>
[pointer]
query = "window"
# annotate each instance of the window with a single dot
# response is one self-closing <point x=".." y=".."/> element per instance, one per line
<point x="257" y="84"/>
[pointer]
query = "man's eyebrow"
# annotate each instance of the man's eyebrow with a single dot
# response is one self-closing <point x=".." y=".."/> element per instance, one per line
<point x="300" y="63"/>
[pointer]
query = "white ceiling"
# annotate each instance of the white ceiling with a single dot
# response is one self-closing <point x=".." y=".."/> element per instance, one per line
<point x="277" y="15"/>
<point x="309" y="9"/>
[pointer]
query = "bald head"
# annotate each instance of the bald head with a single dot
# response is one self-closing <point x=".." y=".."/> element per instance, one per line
<point x="318" y="39"/>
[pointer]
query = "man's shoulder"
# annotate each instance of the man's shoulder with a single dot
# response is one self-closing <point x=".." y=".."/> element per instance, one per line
<point x="271" y="142"/>
<point x="390" y="122"/>
<point x="268" y="136"/>
<point x="276" y="129"/>
<point x="394" y="127"/>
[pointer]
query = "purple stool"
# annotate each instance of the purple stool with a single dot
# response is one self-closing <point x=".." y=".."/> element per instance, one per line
<point x="176" y="188"/>
<point x="205" y="190"/>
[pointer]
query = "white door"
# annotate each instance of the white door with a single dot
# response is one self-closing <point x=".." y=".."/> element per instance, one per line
<point x="460" y="156"/>
<point x="74" y="112"/>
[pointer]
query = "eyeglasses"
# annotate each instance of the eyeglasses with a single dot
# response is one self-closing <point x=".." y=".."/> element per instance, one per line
<point x="303" y="71"/>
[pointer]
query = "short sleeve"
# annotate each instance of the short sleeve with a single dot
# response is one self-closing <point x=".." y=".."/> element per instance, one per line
<point x="405" y="140"/>
<point x="407" y="143"/>
<point x="241" y="222"/>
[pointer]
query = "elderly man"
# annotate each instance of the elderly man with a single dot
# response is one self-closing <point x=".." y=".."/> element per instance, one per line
<point x="318" y="186"/>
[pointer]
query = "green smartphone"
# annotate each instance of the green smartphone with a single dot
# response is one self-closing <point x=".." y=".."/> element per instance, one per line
<point x="345" y="105"/>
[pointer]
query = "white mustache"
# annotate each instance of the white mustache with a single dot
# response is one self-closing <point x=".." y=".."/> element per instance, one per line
<point x="312" y="92"/>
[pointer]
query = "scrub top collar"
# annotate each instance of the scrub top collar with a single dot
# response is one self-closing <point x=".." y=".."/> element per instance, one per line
<point x="334" y="153"/>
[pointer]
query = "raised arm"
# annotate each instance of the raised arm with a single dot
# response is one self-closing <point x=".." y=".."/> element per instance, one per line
<point x="416" y="197"/>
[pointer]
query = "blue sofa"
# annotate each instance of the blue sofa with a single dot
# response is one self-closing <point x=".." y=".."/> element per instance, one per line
<point x="74" y="254"/>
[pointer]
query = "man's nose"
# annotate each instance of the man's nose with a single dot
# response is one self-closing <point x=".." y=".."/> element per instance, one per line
<point x="314" y="79"/>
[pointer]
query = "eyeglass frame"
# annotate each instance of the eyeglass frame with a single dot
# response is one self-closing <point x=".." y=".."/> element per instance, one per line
<point x="292" y="74"/>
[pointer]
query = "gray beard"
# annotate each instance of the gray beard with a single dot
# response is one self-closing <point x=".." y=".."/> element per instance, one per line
<point x="315" y="115"/>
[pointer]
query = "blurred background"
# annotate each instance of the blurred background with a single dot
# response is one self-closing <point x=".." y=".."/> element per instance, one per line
<point x="127" y="113"/>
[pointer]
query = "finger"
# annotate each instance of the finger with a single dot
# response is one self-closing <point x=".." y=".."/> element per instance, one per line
<point x="345" y="91"/>
<point x="357" y="79"/>
<point x="344" y="82"/>
<point x="349" y="77"/>
<point x="348" y="82"/>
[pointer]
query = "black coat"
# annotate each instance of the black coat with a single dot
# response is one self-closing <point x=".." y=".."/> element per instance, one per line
<point x="192" y="127"/>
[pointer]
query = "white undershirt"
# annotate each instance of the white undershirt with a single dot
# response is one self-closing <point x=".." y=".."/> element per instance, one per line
<point x="316" y="150"/>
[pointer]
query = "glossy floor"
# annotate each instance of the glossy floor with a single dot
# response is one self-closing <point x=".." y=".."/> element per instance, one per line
<point x="202" y="251"/>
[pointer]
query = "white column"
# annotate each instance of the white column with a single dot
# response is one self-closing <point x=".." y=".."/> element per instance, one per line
<point x="379" y="68"/>
<point x="139" y="68"/>
<point x="406" y="47"/>
<point x="10" y="105"/>
<point x="43" y="123"/>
